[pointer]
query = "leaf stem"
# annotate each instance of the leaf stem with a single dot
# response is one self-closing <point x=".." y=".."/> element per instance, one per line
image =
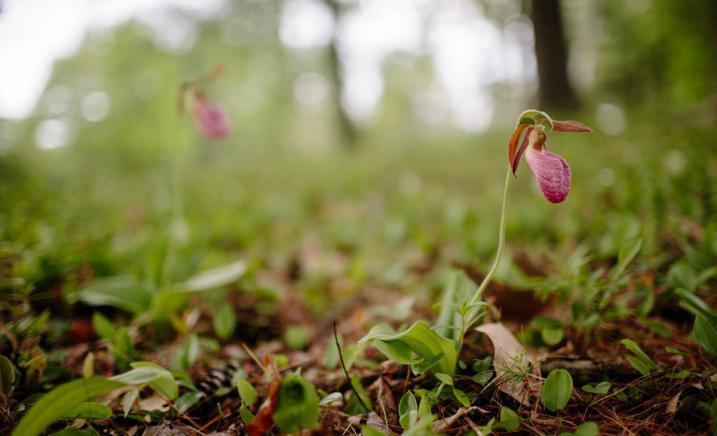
<point x="501" y="242"/>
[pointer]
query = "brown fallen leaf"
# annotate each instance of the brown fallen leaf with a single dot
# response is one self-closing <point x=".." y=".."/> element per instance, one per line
<point x="510" y="360"/>
<point x="374" y="420"/>
<point x="153" y="403"/>
<point x="264" y="420"/>
<point x="385" y="401"/>
<point x="673" y="403"/>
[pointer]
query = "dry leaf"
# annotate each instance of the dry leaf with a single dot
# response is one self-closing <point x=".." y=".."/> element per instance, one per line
<point x="375" y="421"/>
<point x="264" y="420"/>
<point x="153" y="403"/>
<point x="672" y="404"/>
<point x="386" y="402"/>
<point x="510" y="360"/>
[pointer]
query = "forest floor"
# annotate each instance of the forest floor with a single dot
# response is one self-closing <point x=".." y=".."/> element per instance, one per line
<point x="259" y="273"/>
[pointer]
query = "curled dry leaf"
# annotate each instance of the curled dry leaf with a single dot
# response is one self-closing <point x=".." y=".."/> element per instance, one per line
<point x="510" y="360"/>
<point x="374" y="420"/>
<point x="264" y="420"/>
<point x="385" y="402"/>
<point x="671" y="408"/>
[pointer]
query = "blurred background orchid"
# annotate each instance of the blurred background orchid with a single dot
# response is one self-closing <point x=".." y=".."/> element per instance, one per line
<point x="210" y="118"/>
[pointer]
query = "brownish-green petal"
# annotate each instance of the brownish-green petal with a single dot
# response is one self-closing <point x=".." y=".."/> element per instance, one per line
<point x="513" y="144"/>
<point x="570" y="126"/>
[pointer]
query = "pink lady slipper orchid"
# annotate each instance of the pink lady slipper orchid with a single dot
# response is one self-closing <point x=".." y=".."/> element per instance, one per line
<point x="210" y="118"/>
<point x="552" y="172"/>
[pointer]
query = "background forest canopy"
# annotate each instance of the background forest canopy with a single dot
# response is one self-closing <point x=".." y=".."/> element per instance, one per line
<point x="367" y="149"/>
<point x="319" y="74"/>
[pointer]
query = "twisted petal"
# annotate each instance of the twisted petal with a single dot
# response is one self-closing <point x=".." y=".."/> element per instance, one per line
<point x="570" y="126"/>
<point x="531" y="138"/>
<point x="210" y="118"/>
<point x="513" y="146"/>
<point x="552" y="173"/>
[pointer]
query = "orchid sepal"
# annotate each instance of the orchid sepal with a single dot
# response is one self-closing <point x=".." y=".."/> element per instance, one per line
<point x="570" y="126"/>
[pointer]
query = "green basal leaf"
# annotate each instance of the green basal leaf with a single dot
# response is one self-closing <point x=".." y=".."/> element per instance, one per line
<point x="168" y="302"/>
<point x="188" y="400"/>
<point x="122" y="292"/>
<point x="407" y="405"/>
<point x="487" y="429"/>
<point x="680" y="375"/>
<point x="187" y="354"/>
<point x="638" y="364"/>
<point x="419" y="340"/>
<point x="557" y="390"/>
<point x="7" y="376"/>
<point x="424" y="406"/>
<point x="297" y="337"/>
<point x="367" y="430"/>
<point x="422" y="365"/>
<point x="461" y="397"/>
<point x="458" y="291"/>
<point x="330" y="358"/>
<point x="600" y="388"/>
<point x="88" y="365"/>
<point x="706" y="334"/>
<point x="128" y="400"/>
<point x="658" y="327"/>
<point x="247" y="393"/>
<point x="246" y="416"/>
<point x="422" y="427"/>
<point x="482" y="377"/>
<point x="158" y="378"/>
<point x="216" y="277"/>
<point x="60" y="401"/>
<point x="585" y="429"/>
<point x="639" y="354"/>
<point x="694" y="304"/>
<point x="103" y="327"/>
<point x="483" y="364"/>
<point x="509" y="420"/>
<point x="89" y="410"/>
<point x="626" y="254"/>
<point x="552" y="336"/>
<point x="297" y="405"/>
<point x="398" y="351"/>
<point x="673" y="350"/>
<point x="331" y="398"/>
<point x="444" y="378"/>
<point x="224" y="321"/>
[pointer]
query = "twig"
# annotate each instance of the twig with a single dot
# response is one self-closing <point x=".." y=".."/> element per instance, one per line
<point x="254" y="358"/>
<point x="346" y="372"/>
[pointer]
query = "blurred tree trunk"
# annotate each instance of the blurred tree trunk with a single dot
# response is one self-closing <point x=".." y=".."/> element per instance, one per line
<point x="552" y="56"/>
<point x="712" y="6"/>
<point x="346" y="127"/>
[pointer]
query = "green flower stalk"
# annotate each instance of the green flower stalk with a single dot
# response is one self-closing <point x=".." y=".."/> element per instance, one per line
<point x="552" y="172"/>
<point x="436" y="348"/>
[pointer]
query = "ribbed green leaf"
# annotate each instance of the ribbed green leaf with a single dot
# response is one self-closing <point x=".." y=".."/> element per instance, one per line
<point x="60" y="401"/>
<point x="706" y="334"/>
<point x="419" y="339"/>
<point x="557" y="390"/>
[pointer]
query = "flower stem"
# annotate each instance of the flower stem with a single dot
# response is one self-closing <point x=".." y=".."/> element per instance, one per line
<point x="177" y="215"/>
<point x="501" y="242"/>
